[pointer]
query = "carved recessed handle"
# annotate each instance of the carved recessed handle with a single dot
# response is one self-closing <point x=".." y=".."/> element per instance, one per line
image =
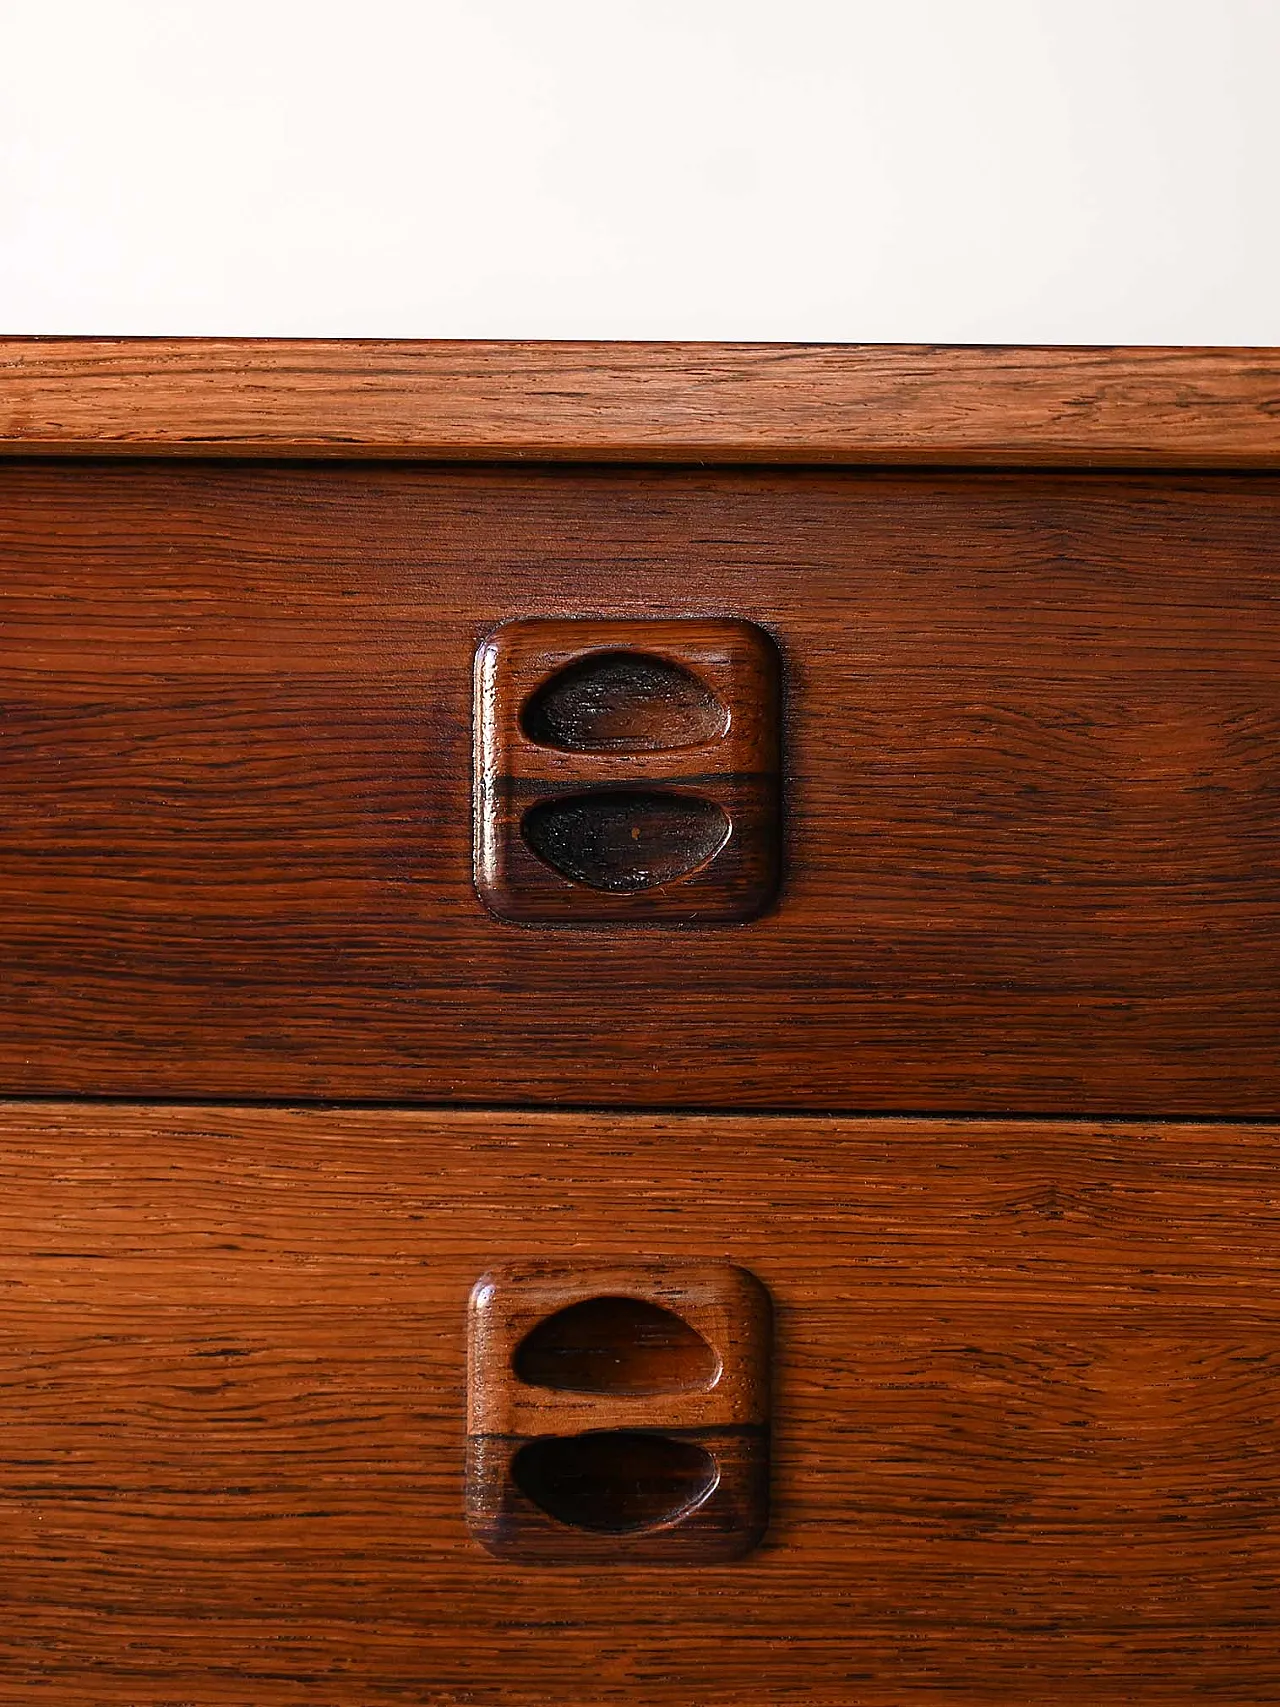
<point x="624" y="702"/>
<point x="622" y="1345"/>
<point x="627" y="771"/>
<point x="619" y="1413"/>
<point x="616" y="1481"/>
<point x="623" y="840"/>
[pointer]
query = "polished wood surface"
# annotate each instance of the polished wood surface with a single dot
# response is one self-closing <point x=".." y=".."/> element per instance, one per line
<point x="1027" y="1410"/>
<point x="642" y="402"/>
<point x="1032" y="845"/>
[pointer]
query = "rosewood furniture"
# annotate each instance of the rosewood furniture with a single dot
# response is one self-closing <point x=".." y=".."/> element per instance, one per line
<point x="641" y="1025"/>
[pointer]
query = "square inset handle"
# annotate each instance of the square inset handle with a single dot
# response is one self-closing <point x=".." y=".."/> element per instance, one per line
<point x="619" y="1413"/>
<point x="627" y="771"/>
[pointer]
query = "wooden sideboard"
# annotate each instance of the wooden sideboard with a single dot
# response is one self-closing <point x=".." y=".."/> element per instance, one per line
<point x="720" y="903"/>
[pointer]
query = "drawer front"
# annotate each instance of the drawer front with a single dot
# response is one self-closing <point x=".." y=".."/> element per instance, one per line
<point x="1031" y="774"/>
<point x="1025" y="1414"/>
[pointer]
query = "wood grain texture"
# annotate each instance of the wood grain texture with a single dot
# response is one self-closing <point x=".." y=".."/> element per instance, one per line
<point x="642" y="402"/>
<point x="1027" y="1410"/>
<point x="1032" y="809"/>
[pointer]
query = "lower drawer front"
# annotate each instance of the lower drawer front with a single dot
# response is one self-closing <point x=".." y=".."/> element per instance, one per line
<point x="1026" y="1414"/>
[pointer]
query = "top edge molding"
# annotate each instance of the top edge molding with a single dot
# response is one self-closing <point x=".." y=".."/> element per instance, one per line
<point x="838" y="404"/>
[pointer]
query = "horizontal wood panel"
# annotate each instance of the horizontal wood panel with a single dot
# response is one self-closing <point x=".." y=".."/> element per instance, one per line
<point x="1026" y="1430"/>
<point x="1032" y="815"/>
<point x="642" y="402"/>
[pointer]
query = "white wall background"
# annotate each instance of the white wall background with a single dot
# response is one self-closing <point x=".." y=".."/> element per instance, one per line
<point x="1064" y="171"/>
